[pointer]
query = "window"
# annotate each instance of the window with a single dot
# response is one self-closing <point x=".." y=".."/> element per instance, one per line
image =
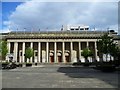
<point x="72" y="29"/>
<point x="77" y="29"/>
<point x="86" y="28"/>
<point x="82" y="29"/>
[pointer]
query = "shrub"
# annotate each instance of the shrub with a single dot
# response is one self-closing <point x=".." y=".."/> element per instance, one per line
<point x="20" y="65"/>
<point x="4" y="64"/>
<point x="76" y="63"/>
<point x="28" y="64"/>
<point x="106" y="67"/>
<point x="87" y="64"/>
<point x="35" y="64"/>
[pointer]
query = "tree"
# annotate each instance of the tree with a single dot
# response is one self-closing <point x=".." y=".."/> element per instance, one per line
<point x="106" y="45"/>
<point x="28" y="53"/>
<point x="86" y="53"/>
<point x="115" y="52"/>
<point x="3" y="49"/>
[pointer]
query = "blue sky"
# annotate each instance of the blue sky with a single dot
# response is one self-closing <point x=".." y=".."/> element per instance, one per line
<point x="52" y="15"/>
<point x="8" y="8"/>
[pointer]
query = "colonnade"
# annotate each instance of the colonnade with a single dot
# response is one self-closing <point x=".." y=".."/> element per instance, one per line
<point x="21" y="55"/>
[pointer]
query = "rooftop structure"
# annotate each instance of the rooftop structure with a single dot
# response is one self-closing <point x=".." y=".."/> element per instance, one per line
<point x="75" y="28"/>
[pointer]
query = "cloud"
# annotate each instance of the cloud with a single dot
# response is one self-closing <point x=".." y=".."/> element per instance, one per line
<point x="52" y="15"/>
<point x="5" y="30"/>
<point x="62" y="0"/>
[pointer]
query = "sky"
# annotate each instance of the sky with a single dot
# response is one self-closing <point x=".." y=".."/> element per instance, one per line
<point x="52" y="15"/>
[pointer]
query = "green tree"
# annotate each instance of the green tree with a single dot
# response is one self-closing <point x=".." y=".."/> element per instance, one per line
<point x="106" y="45"/>
<point x="115" y="52"/>
<point x="28" y="53"/>
<point x="3" y="49"/>
<point x="86" y="53"/>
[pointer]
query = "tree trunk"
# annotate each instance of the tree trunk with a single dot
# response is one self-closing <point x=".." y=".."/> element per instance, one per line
<point x="101" y="57"/>
<point x="110" y="57"/>
<point x="29" y="59"/>
<point x="3" y="57"/>
<point x="86" y="59"/>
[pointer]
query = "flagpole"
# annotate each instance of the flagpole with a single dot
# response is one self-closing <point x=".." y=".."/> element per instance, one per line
<point x="16" y="30"/>
<point x="31" y="30"/>
<point x="9" y="30"/>
<point x="94" y="29"/>
<point x="47" y="30"/>
<point x="24" y="30"/>
<point x="39" y="30"/>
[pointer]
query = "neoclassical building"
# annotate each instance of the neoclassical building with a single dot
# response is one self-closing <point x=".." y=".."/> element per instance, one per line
<point x="54" y="46"/>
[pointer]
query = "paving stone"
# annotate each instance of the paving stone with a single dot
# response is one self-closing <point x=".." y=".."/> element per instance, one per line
<point x="58" y="77"/>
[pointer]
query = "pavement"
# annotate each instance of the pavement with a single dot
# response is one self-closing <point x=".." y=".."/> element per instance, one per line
<point x="58" y="76"/>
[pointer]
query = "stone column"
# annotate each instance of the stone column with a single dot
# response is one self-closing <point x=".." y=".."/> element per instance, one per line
<point x="79" y="50"/>
<point x="87" y="44"/>
<point x="23" y="52"/>
<point x="15" y="51"/>
<point x="88" y="47"/>
<point x="39" y="51"/>
<point x="71" y="49"/>
<point x="31" y="46"/>
<point x="55" y="52"/>
<point x="20" y="56"/>
<point x="47" y="51"/>
<point x="63" y="51"/>
<point x="8" y="46"/>
<point x="95" y="50"/>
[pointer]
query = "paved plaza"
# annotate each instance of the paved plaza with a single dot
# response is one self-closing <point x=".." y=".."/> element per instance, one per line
<point x="58" y="76"/>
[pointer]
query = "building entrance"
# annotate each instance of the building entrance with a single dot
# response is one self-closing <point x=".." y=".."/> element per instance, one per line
<point x="52" y="59"/>
<point x="59" y="58"/>
<point x="67" y="58"/>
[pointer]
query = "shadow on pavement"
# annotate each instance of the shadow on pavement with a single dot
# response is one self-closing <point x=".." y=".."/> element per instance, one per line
<point x="88" y="72"/>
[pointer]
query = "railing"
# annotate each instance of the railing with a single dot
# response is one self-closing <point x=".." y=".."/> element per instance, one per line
<point x="55" y="32"/>
<point x="50" y="33"/>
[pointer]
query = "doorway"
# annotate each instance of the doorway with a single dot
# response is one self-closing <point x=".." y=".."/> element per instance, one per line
<point x="59" y="58"/>
<point x="67" y="58"/>
<point x="52" y="59"/>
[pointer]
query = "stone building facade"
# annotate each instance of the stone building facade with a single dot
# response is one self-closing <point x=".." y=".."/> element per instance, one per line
<point x="54" y="46"/>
